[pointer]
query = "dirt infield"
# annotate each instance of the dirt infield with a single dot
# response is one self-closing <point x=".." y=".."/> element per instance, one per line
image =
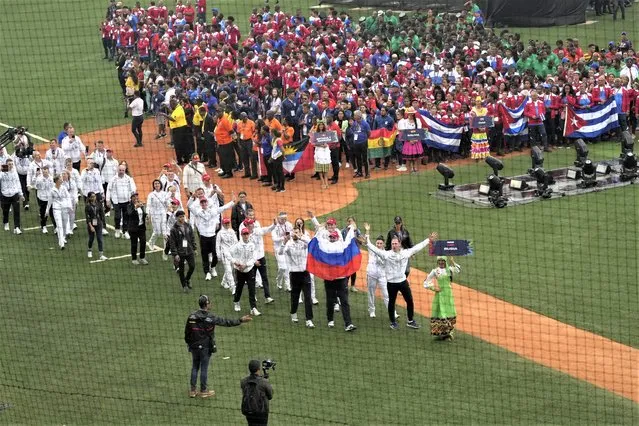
<point x="578" y="353"/>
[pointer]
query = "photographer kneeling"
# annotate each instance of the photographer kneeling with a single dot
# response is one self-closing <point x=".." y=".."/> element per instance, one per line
<point x="256" y="393"/>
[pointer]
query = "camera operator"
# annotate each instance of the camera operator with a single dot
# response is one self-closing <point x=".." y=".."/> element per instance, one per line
<point x="73" y="148"/>
<point x="199" y="335"/>
<point x="10" y="195"/>
<point x="21" y="162"/>
<point x="256" y="393"/>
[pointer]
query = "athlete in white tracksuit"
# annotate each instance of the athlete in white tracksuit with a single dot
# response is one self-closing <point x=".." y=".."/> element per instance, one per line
<point x="225" y="239"/>
<point x="282" y="228"/>
<point x="60" y="202"/>
<point x="71" y="178"/>
<point x="376" y="277"/>
<point x="156" y="204"/>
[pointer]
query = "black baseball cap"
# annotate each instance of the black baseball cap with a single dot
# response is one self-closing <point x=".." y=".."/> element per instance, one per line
<point x="398" y="219"/>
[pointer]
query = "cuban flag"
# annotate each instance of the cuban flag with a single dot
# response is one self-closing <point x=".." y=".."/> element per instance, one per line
<point x="514" y="121"/>
<point x="332" y="260"/>
<point x="591" y="122"/>
<point x="440" y="135"/>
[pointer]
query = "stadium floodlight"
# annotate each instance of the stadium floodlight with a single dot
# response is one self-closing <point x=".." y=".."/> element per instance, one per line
<point x="627" y="143"/>
<point x="544" y="180"/>
<point x="582" y="152"/>
<point x="494" y="164"/>
<point x="588" y="175"/>
<point x="537" y="157"/>
<point x="495" y="193"/>
<point x="448" y="174"/>
<point x="629" y="167"/>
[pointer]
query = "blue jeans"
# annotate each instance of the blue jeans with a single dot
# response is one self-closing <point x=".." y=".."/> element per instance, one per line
<point x="201" y="358"/>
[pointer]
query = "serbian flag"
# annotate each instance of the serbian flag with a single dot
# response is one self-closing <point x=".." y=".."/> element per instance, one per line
<point x="442" y="136"/>
<point x="298" y="156"/>
<point x="332" y="260"/>
<point x="514" y="121"/>
<point x="380" y="142"/>
<point x="591" y="122"/>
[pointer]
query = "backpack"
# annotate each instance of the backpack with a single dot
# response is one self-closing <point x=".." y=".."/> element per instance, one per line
<point x="253" y="399"/>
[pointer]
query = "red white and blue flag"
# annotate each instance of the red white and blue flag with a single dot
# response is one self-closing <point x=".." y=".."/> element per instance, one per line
<point x="331" y="260"/>
<point x="514" y="121"/>
<point x="440" y="135"/>
<point x="591" y="122"/>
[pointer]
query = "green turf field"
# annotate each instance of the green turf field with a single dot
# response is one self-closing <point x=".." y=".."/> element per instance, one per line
<point x="103" y="343"/>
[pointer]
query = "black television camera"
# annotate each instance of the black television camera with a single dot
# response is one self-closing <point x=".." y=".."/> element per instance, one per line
<point x="268" y="364"/>
<point x="21" y="140"/>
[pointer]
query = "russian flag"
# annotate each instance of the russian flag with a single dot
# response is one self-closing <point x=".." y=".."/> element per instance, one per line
<point x="591" y="122"/>
<point x="332" y="260"/>
<point x="514" y="121"/>
<point x="440" y="135"/>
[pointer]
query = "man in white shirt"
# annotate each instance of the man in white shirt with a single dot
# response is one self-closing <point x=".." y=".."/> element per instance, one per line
<point x="257" y="237"/>
<point x="108" y="170"/>
<point x="37" y="163"/>
<point x="631" y="71"/>
<point x="192" y="175"/>
<point x="55" y="156"/>
<point x="136" y="106"/>
<point x="207" y="221"/>
<point x="295" y="248"/>
<point x="118" y="194"/>
<point x="73" y="148"/>
<point x="99" y="155"/>
<point x="395" y="264"/>
<point x="10" y="195"/>
<point x="244" y="260"/>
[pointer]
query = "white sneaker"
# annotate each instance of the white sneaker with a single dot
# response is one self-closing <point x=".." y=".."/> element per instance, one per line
<point x="214" y="272"/>
<point x="135" y="262"/>
<point x="90" y="254"/>
<point x="69" y="233"/>
<point x="104" y="231"/>
<point x="103" y="257"/>
<point x="336" y="307"/>
<point x="75" y="226"/>
<point x="118" y="233"/>
<point x="260" y="285"/>
<point x="165" y="256"/>
<point x="236" y="307"/>
<point x="402" y="169"/>
<point x="348" y="166"/>
<point x="219" y="170"/>
<point x="17" y="231"/>
<point x="353" y="289"/>
<point x="309" y="324"/>
<point x="6" y="226"/>
<point x="315" y="301"/>
<point x="127" y="236"/>
<point x="255" y="312"/>
<point x="331" y="324"/>
<point x="207" y="277"/>
<point x="107" y="214"/>
<point x="350" y="327"/>
<point x="294" y="318"/>
<point x="269" y="300"/>
<point x="396" y="315"/>
<point x="44" y="230"/>
<point x="144" y="262"/>
<point x="372" y="315"/>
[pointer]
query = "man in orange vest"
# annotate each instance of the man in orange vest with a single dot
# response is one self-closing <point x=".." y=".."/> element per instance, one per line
<point x="224" y="137"/>
<point x="246" y="129"/>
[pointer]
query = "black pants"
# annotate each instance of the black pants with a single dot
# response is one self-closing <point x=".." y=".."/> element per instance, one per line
<point x="269" y="169"/>
<point x="138" y="236"/>
<point x="106" y="45"/>
<point x="136" y="128"/>
<point x="360" y="158"/>
<point x="248" y="279"/>
<point x="257" y="420"/>
<point x="537" y="134"/>
<point x="23" y="185"/>
<point x="43" y="210"/>
<point x="278" y="172"/>
<point x="119" y="209"/>
<point x="226" y="158"/>
<point x="237" y="157"/>
<point x="7" y="203"/>
<point x="104" y="188"/>
<point x="619" y="4"/>
<point x="353" y="278"/>
<point x="335" y="163"/>
<point x="378" y="162"/>
<point x="190" y="260"/>
<point x="301" y="283"/>
<point x="496" y="138"/>
<point x="180" y="137"/>
<point x="404" y="288"/>
<point x="97" y="234"/>
<point x="210" y="146"/>
<point x="334" y="289"/>
<point x="264" y="276"/>
<point x="246" y="149"/>
<point x="207" y="246"/>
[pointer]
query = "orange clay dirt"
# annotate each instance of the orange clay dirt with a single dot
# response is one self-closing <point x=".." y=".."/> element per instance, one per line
<point x="578" y="353"/>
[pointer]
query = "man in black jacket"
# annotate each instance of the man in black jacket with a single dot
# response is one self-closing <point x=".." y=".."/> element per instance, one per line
<point x="208" y="127"/>
<point x="136" y="226"/>
<point x="257" y="389"/>
<point x="199" y="335"/>
<point x="239" y="213"/>
<point x="182" y="244"/>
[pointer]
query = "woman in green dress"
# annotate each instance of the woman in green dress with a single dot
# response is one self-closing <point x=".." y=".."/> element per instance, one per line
<point x="443" y="315"/>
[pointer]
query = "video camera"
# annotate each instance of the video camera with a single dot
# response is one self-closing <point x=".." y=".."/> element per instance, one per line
<point x="268" y="364"/>
<point x="17" y="135"/>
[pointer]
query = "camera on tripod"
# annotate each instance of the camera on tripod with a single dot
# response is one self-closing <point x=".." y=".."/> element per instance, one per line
<point x="268" y="364"/>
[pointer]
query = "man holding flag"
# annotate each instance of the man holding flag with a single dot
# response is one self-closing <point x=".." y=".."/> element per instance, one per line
<point x="535" y="111"/>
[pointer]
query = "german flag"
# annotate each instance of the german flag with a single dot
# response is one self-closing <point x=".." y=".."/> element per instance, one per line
<point x="380" y="142"/>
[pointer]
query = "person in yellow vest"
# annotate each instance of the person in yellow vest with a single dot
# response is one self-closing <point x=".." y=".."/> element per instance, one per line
<point x="179" y="130"/>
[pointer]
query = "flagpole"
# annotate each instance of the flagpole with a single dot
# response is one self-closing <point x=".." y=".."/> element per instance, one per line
<point x="565" y="120"/>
